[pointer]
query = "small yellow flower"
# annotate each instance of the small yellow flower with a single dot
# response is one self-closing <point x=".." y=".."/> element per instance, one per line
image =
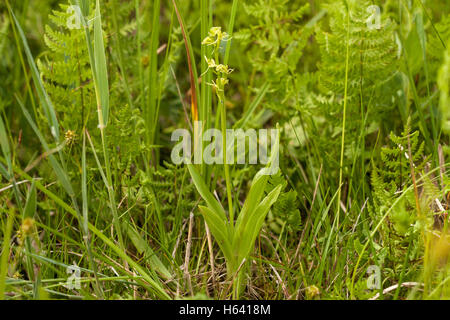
<point x="208" y="41"/>
<point x="17" y="275"/>
<point x="70" y="137"/>
<point x="19" y="236"/>
<point x="312" y="292"/>
<point x="215" y="31"/>
<point x="223" y="69"/>
<point x="219" y="85"/>
<point x="215" y="35"/>
<point x="27" y="226"/>
<point x="211" y="63"/>
<point x="222" y="82"/>
<point x="145" y="60"/>
<point x="214" y="85"/>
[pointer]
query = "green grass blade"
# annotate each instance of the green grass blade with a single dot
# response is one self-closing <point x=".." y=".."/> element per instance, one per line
<point x="234" y="8"/>
<point x="251" y="109"/>
<point x="4" y="144"/>
<point x="60" y="173"/>
<point x="31" y="204"/>
<point x="444" y="86"/>
<point x="46" y="103"/>
<point x="100" y="75"/>
<point x="102" y="85"/>
<point x="154" y="284"/>
<point x="5" y="253"/>
<point x="143" y="248"/>
<point x="3" y="172"/>
<point x="206" y="94"/>
<point x="84" y="6"/>
<point x="344" y="118"/>
<point x="97" y="160"/>
<point x="151" y="115"/>
<point x="84" y="194"/>
<point x="191" y="64"/>
<point x="85" y="215"/>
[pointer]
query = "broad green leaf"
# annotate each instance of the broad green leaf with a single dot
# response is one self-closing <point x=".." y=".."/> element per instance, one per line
<point x="214" y="215"/>
<point x="256" y="192"/>
<point x="245" y="241"/>
<point x="219" y="230"/>
<point x="213" y="204"/>
<point x="253" y="199"/>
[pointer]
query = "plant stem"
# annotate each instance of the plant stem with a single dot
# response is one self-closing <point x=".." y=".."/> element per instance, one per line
<point x="341" y="163"/>
<point x="224" y="152"/>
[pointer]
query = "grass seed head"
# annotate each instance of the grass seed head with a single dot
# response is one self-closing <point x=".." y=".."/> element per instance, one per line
<point x="70" y="137"/>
